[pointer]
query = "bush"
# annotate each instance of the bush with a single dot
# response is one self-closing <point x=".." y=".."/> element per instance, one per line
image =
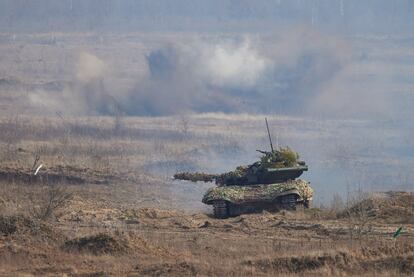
<point x="284" y="157"/>
<point x="96" y="244"/>
<point x="53" y="198"/>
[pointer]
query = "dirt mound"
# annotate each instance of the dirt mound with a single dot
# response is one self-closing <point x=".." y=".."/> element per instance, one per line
<point x="169" y="269"/>
<point x="97" y="244"/>
<point x="392" y="206"/>
<point x="14" y="223"/>
<point x="303" y="263"/>
<point x="142" y="246"/>
<point x="162" y="219"/>
<point x="365" y="259"/>
<point x="19" y="225"/>
<point x="153" y="213"/>
<point x="50" y="175"/>
<point x="22" y="235"/>
<point x="146" y="214"/>
<point x="101" y="243"/>
<point x="59" y="173"/>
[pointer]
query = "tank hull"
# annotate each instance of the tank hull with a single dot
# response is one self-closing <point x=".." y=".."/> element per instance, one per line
<point x="235" y="200"/>
<point x="225" y="209"/>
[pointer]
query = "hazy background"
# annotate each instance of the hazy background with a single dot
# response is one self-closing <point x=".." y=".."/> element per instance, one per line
<point x="315" y="57"/>
<point x="344" y="67"/>
<point x="345" y="16"/>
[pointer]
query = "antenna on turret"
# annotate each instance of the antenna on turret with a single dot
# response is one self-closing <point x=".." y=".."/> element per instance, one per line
<point x="268" y="132"/>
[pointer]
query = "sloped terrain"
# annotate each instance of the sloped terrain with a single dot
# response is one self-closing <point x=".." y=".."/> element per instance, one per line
<point x="104" y="204"/>
<point x="156" y="242"/>
<point x="392" y="206"/>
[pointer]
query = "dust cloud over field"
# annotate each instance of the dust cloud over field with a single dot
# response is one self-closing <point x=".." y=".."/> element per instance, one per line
<point x="298" y="71"/>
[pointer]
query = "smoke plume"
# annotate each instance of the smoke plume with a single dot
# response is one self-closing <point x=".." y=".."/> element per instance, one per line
<point x="284" y="75"/>
<point x="295" y="72"/>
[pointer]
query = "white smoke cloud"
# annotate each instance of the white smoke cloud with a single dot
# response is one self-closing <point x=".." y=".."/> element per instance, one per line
<point x="281" y="74"/>
<point x="85" y="93"/>
<point x="232" y="65"/>
<point x="298" y="71"/>
<point x="89" y="67"/>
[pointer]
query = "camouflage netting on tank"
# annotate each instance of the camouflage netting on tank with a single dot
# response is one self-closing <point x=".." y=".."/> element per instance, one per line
<point x="240" y="172"/>
<point x="240" y="194"/>
<point x="242" y="175"/>
<point x="284" y="157"/>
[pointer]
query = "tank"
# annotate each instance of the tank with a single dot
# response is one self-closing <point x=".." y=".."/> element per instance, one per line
<point x="268" y="184"/>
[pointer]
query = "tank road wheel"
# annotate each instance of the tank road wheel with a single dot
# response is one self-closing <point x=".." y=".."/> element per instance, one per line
<point x="289" y="202"/>
<point x="307" y="204"/>
<point x="220" y="209"/>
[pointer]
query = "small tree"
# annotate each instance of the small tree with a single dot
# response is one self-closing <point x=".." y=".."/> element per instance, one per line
<point x="51" y="199"/>
<point x="359" y="215"/>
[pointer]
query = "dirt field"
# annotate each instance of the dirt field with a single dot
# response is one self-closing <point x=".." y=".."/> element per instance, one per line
<point x="99" y="234"/>
<point x="103" y="204"/>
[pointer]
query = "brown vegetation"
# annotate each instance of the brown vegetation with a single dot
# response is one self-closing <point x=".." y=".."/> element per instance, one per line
<point x="101" y="205"/>
<point x="96" y="244"/>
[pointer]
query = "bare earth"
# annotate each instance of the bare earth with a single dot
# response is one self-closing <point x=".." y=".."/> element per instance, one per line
<point x="124" y="216"/>
<point x="97" y="236"/>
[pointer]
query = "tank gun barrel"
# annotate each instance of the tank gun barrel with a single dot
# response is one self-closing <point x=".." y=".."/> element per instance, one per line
<point x="195" y="177"/>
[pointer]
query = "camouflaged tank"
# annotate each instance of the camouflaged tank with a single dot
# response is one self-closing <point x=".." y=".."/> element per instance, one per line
<point x="235" y="200"/>
<point x="268" y="184"/>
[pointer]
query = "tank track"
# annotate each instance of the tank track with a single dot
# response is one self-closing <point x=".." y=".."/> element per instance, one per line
<point x="223" y="209"/>
<point x="289" y="202"/>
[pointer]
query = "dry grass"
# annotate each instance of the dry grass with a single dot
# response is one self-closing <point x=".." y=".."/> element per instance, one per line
<point x="125" y="217"/>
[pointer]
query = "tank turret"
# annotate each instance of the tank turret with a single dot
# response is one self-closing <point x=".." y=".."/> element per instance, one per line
<point x="275" y="166"/>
